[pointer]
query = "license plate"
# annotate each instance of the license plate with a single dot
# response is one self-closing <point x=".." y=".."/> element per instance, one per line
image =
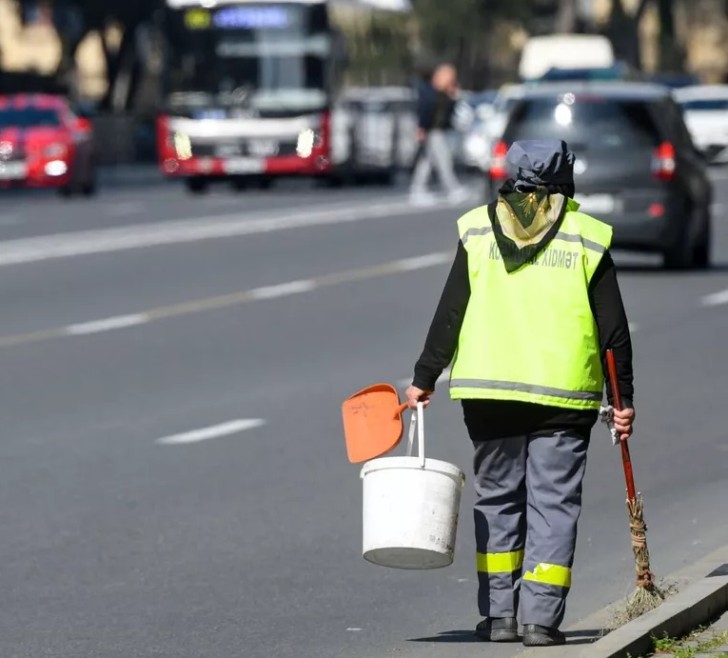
<point x="263" y="147"/>
<point x="244" y="166"/>
<point x="597" y="203"/>
<point x="228" y="150"/>
<point x="13" y="170"/>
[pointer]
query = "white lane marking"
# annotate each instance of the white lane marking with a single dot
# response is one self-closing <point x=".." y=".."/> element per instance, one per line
<point x="81" y="243"/>
<point x="108" y="324"/>
<point x="353" y="629"/>
<point x="421" y="262"/>
<point x="716" y="298"/>
<point x="283" y="289"/>
<point x="230" y="300"/>
<point x="214" y="432"/>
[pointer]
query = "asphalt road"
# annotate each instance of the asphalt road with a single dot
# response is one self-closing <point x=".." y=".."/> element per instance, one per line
<point x="149" y="315"/>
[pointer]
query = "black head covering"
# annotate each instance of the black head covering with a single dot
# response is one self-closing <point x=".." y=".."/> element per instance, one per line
<point x="540" y="163"/>
<point x="534" y="197"/>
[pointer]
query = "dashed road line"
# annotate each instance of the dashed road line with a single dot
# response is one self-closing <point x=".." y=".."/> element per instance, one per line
<point x="230" y="300"/>
<point x="109" y="324"/>
<point x="284" y="289"/>
<point x="716" y="298"/>
<point x="214" y="432"/>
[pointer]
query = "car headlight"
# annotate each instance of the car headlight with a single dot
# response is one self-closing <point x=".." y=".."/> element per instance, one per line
<point x="55" y="151"/>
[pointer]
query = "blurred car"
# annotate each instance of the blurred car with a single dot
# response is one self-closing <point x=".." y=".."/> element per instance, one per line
<point x="488" y="127"/>
<point x="706" y="114"/>
<point x="673" y="80"/>
<point x="44" y="144"/>
<point x="618" y="71"/>
<point x="542" y="53"/>
<point x="636" y="169"/>
<point x="481" y="109"/>
<point x="378" y="125"/>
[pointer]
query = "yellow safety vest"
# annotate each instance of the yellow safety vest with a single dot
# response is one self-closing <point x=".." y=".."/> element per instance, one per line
<point x="531" y="335"/>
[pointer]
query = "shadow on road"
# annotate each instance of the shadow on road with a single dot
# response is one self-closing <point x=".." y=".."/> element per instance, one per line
<point x="586" y="636"/>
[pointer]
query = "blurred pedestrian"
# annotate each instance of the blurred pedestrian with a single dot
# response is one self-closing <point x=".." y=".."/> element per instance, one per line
<point x="529" y="309"/>
<point x="435" y="108"/>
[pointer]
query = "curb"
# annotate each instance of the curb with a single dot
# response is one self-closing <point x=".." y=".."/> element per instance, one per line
<point x="703" y="596"/>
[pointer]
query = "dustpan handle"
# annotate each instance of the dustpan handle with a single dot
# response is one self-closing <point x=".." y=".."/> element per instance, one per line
<point x="417" y="423"/>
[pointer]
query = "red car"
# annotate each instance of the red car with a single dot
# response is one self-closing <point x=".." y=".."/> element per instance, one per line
<point x="44" y="144"/>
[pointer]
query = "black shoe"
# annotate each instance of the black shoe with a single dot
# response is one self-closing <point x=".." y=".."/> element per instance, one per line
<point x="542" y="636"/>
<point x="498" y="629"/>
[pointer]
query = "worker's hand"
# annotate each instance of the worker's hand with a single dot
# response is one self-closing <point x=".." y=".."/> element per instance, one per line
<point x="415" y="395"/>
<point x="623" y="423"/>
<point x="420" y="135"/>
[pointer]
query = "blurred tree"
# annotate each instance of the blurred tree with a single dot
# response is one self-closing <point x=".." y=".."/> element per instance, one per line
<point x="462" y="32"/>
<point x="75" y="19"/>
<point x="623" y="29"/>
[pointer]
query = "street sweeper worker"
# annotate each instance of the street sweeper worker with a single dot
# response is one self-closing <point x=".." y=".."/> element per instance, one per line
<point x="529" y="309"/>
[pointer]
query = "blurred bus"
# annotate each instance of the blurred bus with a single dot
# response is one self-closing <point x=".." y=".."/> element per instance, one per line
<point x="252" y="93"/>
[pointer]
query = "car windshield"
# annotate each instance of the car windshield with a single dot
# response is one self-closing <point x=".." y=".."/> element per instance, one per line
<point x="585" y="123"/>
<point x="268" y="57"/>
<point x="29" y="117"/>
<point x="705" y="104"/>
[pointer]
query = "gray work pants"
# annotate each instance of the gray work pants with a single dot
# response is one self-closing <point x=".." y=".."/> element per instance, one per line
<point x="528" y="504"/>
<point x="436" y="154"/>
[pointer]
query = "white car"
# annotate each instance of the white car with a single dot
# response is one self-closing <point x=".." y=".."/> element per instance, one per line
<point x="706" y="114"/>
<point x="488" y="127"/>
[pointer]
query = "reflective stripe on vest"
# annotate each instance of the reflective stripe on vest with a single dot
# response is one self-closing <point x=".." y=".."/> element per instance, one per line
<point x="500" y="562"/>
<point x="530" y="335"/>
<point x="566" y="237"/>
<point x="549" y="574"/>
<point x="526" y="388"/>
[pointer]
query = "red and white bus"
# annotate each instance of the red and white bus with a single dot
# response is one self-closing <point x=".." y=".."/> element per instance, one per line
<point x="251" y="91"/>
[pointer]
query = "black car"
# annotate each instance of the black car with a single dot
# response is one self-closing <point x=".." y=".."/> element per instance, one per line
<point x="636" y="169"/>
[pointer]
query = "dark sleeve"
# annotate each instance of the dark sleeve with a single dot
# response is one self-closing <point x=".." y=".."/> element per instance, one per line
<point x="611" y="319"/>
<point x="425" y="109"/>
<point x="442" y="338"/>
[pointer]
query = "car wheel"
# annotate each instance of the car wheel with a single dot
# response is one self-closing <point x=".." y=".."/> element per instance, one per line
<point x="196" y="185"/>
<point x="265" y="183"/>
<point x="89" y="188"/>
<point x="387" y="178"/>
<point x="66" y="192"/>
<point x="701" y="252"/>
<point x="678" y="256"/>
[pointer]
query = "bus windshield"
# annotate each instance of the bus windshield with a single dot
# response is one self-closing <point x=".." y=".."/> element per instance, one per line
<point x="267" y="56"/>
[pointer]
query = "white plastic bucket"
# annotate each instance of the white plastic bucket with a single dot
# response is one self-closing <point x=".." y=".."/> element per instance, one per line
<point x="411" y="507"/>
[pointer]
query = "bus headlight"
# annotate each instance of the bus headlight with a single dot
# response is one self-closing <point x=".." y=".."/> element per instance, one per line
<point x="305" y="144"/>
<point x="183" y="146"/>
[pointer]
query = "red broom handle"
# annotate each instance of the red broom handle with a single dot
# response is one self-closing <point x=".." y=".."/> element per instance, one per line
<point x="617" y="402"/>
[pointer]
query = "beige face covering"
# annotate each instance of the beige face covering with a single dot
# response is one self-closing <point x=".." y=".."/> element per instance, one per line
<point x="526" y="218"/>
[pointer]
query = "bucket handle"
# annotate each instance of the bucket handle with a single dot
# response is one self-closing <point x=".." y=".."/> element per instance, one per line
<point x="417" y="423"/>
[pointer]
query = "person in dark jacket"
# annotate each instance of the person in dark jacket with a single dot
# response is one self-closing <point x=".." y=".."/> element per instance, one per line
<point x="435" y="108"/>
<point x="528" y="312"/>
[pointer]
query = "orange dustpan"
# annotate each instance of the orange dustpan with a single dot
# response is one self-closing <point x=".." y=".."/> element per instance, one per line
<point x="372" y="422"/>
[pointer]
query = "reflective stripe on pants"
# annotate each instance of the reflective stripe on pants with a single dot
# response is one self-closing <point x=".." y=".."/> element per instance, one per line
<point x="542" y="474"/>
<point x="500" y="531"/>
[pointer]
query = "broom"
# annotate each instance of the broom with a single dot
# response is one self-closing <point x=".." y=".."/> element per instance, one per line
<point x="648" y="595"/>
